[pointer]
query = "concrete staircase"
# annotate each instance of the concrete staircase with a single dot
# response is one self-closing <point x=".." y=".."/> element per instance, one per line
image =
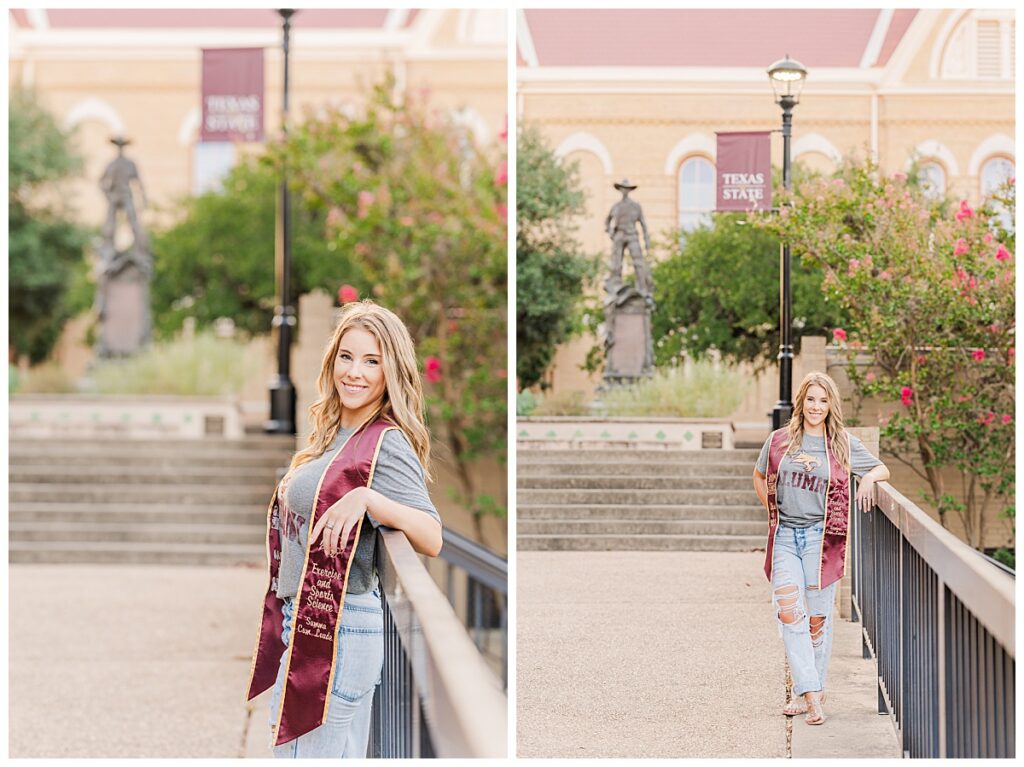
<point x="638" y="500"/>
<point x="170" y="501"/>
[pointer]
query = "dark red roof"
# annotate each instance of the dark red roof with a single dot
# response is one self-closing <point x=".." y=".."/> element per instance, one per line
<point x="177" y="18"/>
<point x="708" y="38"/>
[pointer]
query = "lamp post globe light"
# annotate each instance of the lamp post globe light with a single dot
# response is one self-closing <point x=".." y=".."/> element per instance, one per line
<point x="282" y="392"/>
<point x="787" y="79"/>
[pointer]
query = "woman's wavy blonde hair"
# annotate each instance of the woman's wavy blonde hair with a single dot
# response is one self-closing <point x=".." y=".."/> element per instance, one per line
<point x="835" y="430"/>
<point x="402" y="402"/>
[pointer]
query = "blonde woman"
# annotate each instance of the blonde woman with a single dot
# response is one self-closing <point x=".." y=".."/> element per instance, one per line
<point x="364" y="466"/>
<point x="803" y="479"/>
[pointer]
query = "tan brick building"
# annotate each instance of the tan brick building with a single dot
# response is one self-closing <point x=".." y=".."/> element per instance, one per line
<point x="138" y="72"/>
<point x="641" y="93"/>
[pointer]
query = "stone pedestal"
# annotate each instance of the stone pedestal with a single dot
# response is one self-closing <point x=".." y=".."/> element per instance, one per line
<point x="125" y="322"/>
<point x="629" y="351"/>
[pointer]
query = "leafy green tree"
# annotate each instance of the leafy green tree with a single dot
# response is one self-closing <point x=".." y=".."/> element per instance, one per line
<point x="551" y="268"/>
<point x="929" y="295"/>
<point x="423" y="212"/>
<point x="218" y="260"/>
<point x="718" y="289"/>
<point x="47" y="270"/>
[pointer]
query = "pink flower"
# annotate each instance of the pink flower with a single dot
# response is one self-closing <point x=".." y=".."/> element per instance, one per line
<point x="978" y="355"/>
<point x="906" y="396"/>
<point x="870" y="377"/>
<point x="964" y="212"/>
<point x="960" y="248"/>
<point x="898" y="176"/>
<point x="335" y="216"/>
<point x="838" y="334"/>
<point x="885" y="275"/>
<point x="987" y="419"/>
<point x="435" y="218"/>
<point x="432" y="369"/>
<point x="362" y="249"/>
<point x="502" y="209"/>
<point x="347" y="294"/>
<point x="1007" y="418"/>
<point x="364" y="201"/>
<point x="501" y="373"/>
<point x="1010" y="354"/>
<point x="407" y="221"/>
<point x="854" y="265"/>
<point x="504" y="129"/>
<point x="502" y="176"/>
<point x="1002" y="254"/>
<point x="987" y="239"/>
<point x="921" y="359"/>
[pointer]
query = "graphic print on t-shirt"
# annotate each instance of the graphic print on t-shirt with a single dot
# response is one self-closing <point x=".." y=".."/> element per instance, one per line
<point x="809" y="462"/>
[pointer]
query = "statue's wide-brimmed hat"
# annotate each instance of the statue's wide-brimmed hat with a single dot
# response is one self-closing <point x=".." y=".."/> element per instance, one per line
<point x="120" y="141"/>
<point x="625" y="186"/>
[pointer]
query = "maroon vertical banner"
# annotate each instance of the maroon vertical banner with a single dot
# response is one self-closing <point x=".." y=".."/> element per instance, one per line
<point x="232" y="94"/>
<point x="744" y="171"/>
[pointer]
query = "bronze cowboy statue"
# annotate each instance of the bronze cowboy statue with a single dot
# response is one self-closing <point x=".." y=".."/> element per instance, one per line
<point x="122" y="275"/>
<point x="116" y="184"/>
<point x="621" y="226"/>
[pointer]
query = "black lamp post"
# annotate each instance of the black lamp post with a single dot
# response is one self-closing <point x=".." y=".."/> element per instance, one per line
<point x="787" y="79"/>
<point x="282" y="393"/>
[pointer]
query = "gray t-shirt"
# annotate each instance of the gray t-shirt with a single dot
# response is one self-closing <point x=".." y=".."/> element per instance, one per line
<point x="803" y="478"/>
<point x="397" y="475"/>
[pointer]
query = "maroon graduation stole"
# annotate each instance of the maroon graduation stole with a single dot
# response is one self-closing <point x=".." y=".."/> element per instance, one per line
<point x="832" y="560"/>
<point x="309" y="671"/>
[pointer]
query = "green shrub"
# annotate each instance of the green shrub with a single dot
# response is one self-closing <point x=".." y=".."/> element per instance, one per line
<point x="526" y="403"/>
<point x="562" y="403"/>
<point x="203" y="365"/>
<point x="698" y="390"/>
<point x="48" y="378"/>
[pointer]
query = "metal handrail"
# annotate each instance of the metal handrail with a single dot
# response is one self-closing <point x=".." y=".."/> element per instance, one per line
<point x="485" y="571"/>
<point x="956" y="564"/>
<point x="480" y="562"/>
<point x="939" y="621"/>
<point x="437" y="696"/>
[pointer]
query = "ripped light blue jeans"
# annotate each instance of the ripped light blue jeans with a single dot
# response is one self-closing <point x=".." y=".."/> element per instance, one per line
<point x="360" y="658"/>
<point x="804" y="611"/>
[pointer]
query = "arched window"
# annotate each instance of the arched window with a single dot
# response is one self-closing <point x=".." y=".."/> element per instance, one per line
<point x="994" y="173"/>
<point x="696" y="192"/>
<point x="932" y="178"/>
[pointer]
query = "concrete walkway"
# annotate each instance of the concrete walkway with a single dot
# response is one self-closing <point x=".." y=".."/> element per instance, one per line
<point x="133" y="661"/>
<point x="671" y="654"/>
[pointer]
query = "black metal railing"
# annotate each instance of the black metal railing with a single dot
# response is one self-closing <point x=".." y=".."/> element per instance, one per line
<point x="939" y="621"/>
<point x="480" y="595"/>
<point x="437" y="696"/>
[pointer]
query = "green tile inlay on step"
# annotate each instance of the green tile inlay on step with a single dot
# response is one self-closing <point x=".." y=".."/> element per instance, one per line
<point x="577" y="433"/>
<point x="688" y="436"/>
<point x="660" y="434"/>
<point x="633" y="435"/>
<point x="188" y="418"/>
<point x="95" y="416"/>
<point x="524" y="433"/>
<point x="35" y="417"/>
<point x="606" y="434"/>
<point x="156" y="418"/>
<point x="551" y="434"/>
<point x="126" y="417"/>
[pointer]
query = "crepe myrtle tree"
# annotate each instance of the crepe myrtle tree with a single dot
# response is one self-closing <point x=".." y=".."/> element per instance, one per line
<point x="422" y="210"/>
<point x="928" y="292"/>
